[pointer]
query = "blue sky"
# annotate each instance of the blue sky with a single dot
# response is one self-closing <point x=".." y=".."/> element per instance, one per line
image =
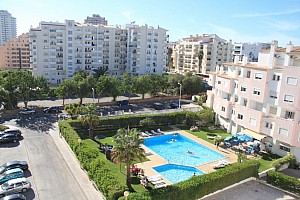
<point x="239" y="20"/>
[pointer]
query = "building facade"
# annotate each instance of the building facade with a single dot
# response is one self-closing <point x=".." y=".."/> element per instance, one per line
<point x="262" y="98"/>
<point x="249" y="50"/>
<point x="95" y="20"/>
<point x="8" y="28"/>
<point x="14" y="54"/>
<point x="210" y="48"/>
<point x="59" y="50"/>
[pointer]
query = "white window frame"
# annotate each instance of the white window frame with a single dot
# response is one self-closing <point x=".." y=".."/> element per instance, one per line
<point x="252" y="121"/>
<point x="256" y="91"/>
<point x="283" y="132"/>
<point x="258" y="75"/>
<point x="242" y="87"/>
<point x="284" y="148"/>
<point x="291" y="81"/>
<point x="289" y="98"/>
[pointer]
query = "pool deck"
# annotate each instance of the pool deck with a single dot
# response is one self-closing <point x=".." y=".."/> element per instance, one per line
<point x="155" y="160"/>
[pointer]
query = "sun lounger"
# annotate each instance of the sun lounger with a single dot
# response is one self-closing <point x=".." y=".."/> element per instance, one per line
<point x="161" y="185"/>
<point x="144" y="134"/>
<point x="153" y="132"/>
<point x="160" y="131"/>
<point x="154" y="177"/>
<point x="150" y="134"/>
<point x="225" y="162"/>
<point x="157" y="182"/>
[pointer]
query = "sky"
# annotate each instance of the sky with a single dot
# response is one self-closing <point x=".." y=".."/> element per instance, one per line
<point x="239" y="20"/>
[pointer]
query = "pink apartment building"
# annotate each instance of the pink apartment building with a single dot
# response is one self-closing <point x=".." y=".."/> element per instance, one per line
<point x="261" y="99"/>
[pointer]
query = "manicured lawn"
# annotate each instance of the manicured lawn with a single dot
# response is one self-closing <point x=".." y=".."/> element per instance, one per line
<point x="266" y="161"/>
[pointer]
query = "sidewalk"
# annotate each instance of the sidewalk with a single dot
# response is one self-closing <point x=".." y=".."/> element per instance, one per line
<point x="81" y="177"/>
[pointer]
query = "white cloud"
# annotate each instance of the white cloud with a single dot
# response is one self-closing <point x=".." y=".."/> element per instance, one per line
<point x="282" y="25"/>
<point x="286" y="12"/>
<point x="127" y="14"/>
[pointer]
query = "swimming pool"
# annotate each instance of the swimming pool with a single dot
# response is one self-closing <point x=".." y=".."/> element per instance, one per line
<point x="177" y="173"/>
<point x="174" y="148"/>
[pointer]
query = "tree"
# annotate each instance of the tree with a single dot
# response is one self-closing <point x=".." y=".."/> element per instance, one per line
<point x="147" y="122"/>
<point x="143" y="85"/>
<point x="99" y="72"/>
<point x="201" y="100"/>
<point x="84" y="85"/>
<point x="90" y="118"/>
<point x="109" y="87"/>
<point x="206" y="115"/>
<point x="128" y="84"/>
<point x="66" y="89"/>
<point x="192" y="84"/>
<point x="127" y="149"/>
<point x="73" y="109"/>
<point x="200" y="57"/>
<point x="156" y="84"/>
<point x="173" y="81"/>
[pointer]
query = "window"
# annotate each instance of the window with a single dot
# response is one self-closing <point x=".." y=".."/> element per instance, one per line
<point x="258" y="75"/>
<point x="284" y="148"/>
<point x="243" y="89"/>
<point x="256" y="91"/>
<point x="291" y="81"/>
<point x="289" y="115"/>
<point x="269" y="125"/>
<point x="219" y="82"/>
<point x="240" y="116"/>
<point x="248" y="74"/>
<point x="283" y="132"/>
<point x="276" y="77"/>
<point x="223" y="108"/>
<point x="252" y="121"/>
<point x="289" y="98"/>
<point x="273" y="94"/>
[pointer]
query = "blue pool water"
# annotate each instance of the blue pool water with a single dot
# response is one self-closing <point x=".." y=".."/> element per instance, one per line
<point x="177" y="173"/>
<point x="174" y="148"/>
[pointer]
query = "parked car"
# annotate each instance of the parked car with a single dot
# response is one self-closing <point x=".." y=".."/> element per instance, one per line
<point x="52" y="109"/>
<point x="13" y="130"/>
<point x="159" y="106"/>
<point x="14" y="186"/>
<point x="11" y="174"/>
<point x="14" y="197"/>
<point x="12" y="165"/>
<point x="8" y="137"/>
<point x="27" y="111"/>
<point x="123" y="103"/>
<point x="174" y="105"/>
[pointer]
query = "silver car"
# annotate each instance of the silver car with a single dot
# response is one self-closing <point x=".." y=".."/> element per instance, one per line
<point x="14" y="186"/>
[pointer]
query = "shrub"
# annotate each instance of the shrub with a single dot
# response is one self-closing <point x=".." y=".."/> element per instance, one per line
<point x="199" y="186"/>
<point x="283" y="181"/>
<point x="289" y="158"/>
<point x="147" y="122"/>
<point x="3" y="127"/>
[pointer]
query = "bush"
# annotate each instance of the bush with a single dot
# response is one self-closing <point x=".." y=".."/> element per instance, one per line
<point x="2" y="127"/>
<point x="289" y="158"/>
<point x="200" y="186"/>
<point x="283" y="181"/>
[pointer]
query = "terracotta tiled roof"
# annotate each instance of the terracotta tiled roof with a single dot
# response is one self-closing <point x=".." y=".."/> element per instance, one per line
<point x="280" y="49"/>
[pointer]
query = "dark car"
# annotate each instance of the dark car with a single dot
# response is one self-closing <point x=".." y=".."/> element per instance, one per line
<point x="52" y="109"/>
<point x="8" y="137"/>
<point x="123" y="103"/>
<point x="14" y="197"/>
<point x="12" y="165"/>
<point x="27" y="111"/>
<point x="174" y="105"/>
<point x="159" y="106"/>
<point x="12" y="130"/>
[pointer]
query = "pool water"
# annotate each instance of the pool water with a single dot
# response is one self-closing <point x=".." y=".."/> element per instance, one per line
<point x="174" y="147"/>
<point x="177" y="173"/>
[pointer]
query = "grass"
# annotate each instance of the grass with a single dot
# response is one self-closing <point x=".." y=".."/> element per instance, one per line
<point x="266" y="161"/>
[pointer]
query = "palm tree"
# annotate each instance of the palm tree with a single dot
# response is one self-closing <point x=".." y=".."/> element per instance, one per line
<point x="127" y="149"/>
<point x="90" y="118"/>
<point x="73" y="109"/>
<point x="200" y="57"/>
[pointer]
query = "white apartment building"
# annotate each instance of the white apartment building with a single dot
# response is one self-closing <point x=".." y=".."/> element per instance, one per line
<point x="95" y="20"/>
<point x="214" y="49"/>
<point x="59" y="50"/>
<point x="261" y="99"/>
<point x="8" y="28"/>
<point x="249" y="50"/>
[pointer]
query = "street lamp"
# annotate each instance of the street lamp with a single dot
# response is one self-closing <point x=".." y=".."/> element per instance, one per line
<point x="180" y="85"/>
<point x="126" y="194"/>
<point x="93" y="95"/>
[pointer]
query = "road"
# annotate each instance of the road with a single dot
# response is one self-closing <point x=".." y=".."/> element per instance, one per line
<point x="48" y="172"/>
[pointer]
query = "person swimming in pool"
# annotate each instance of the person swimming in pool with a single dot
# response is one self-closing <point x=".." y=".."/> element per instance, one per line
<point x="189" y="152"/>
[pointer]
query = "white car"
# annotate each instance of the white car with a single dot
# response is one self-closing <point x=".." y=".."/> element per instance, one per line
<point x="27" y="111"/>
<point x="14" y="186"/>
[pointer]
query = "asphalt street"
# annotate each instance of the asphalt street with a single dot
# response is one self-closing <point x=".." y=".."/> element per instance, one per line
<point x="48" y="172"/>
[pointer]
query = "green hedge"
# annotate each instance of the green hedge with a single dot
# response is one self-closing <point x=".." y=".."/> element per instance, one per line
<point x="93" y="162"/>
<point x="3" y="127"/>
<point x="283" y="181"/>
<point x="134" y="120"/>
<point x="289" y="158"/>
<point x="200" y="186"/>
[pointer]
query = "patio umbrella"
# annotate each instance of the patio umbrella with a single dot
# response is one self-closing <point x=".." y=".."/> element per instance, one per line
<point x="228" y="138"/>
<point x="244" y="138"/>
<point x="250" y="144"/>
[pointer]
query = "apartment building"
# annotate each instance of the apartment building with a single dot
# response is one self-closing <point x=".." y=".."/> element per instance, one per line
<point x="249" y="49"/>
<point x="261" y="99"/>
<point x="14" y="54"/>
<point x="213" y="49"/>
<point x="8" y="28"/>
<point x="95" y="20"/>
<point x="59" y="50"/>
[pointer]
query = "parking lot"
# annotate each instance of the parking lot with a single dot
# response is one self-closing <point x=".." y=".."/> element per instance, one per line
<point x="48" y="172"/>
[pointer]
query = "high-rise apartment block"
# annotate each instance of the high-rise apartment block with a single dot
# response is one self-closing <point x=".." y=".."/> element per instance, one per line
<point x="8" y="28"/>
<point x="14" y="54"/>
<point x="210" y="48"/>
<point x="249" y="50"/>
<point x="95" y="20"/>
<point x="59" y="50"/>
<point x="261" y="99"/>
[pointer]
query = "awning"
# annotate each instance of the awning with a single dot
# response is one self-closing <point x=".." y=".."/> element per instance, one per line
<point x="254" y="134"/>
